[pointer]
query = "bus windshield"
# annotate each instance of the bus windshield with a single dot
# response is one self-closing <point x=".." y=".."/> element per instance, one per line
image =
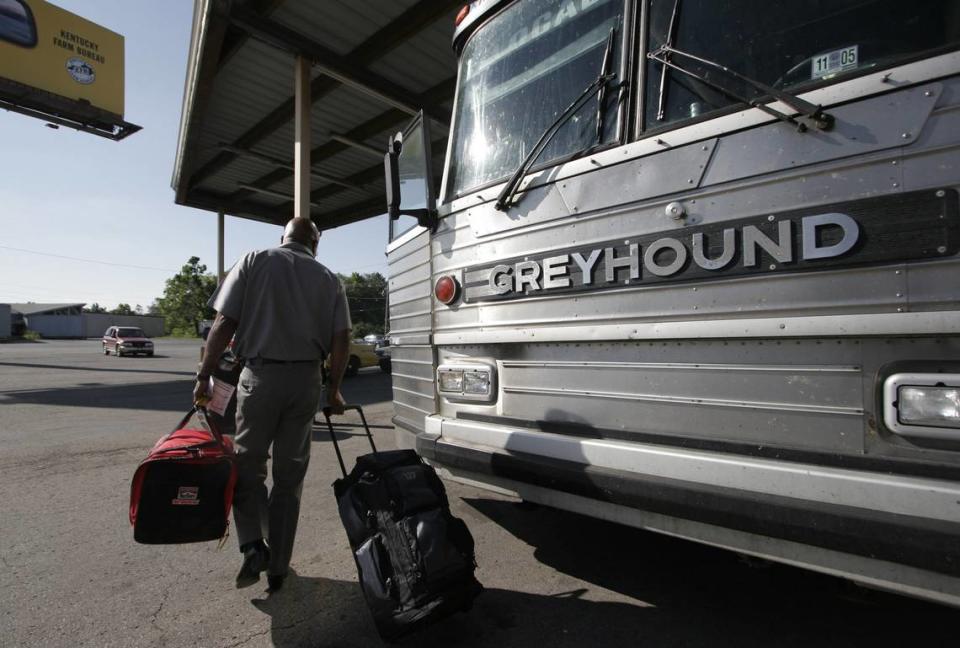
<point x="518" y="73"/>
<point x="785" y="44"/>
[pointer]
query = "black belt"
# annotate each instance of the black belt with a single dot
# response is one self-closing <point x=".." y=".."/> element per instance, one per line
<point x="256" y="362"/>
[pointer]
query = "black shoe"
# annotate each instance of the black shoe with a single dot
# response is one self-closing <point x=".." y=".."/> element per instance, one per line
<point x="256" y="557"/>
<point x="275" y="581"/>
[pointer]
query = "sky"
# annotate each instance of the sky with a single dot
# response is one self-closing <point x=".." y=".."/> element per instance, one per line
<point x="86" y="219"/>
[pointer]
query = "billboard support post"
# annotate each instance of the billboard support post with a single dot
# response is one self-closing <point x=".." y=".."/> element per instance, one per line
<point x="301" y="146"/>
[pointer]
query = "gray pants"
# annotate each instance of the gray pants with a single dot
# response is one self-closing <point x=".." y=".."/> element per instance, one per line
<point x="276" y="404"/>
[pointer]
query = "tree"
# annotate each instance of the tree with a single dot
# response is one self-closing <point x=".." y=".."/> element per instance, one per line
<point x="94" y="308"/>
<point x="138" y="309"/>
<point x="184" y="301"/>
<point x="367" y="295"/>
<point x="122" y="309"/>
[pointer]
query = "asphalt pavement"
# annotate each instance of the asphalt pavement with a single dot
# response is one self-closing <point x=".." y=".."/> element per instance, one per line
<point x="74" y="424"/>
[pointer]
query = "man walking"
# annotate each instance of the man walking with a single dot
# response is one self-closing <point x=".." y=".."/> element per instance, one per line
<point x="285" y="310"/>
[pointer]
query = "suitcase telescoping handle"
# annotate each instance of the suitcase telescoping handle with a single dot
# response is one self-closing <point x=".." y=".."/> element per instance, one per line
<point x="333" y="436"/>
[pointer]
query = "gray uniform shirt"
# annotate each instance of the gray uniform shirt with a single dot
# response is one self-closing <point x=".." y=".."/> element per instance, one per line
<point x="287" y="305"/>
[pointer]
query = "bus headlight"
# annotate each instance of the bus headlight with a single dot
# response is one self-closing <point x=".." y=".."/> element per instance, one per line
<point x="450" y="380"/>
<point x="937" y="406"/>
<point x="476" y="382"/>
<point x="471" y="381"/>
<point x="923" y="405"/>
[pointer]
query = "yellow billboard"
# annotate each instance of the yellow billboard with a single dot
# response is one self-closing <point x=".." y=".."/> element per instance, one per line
<point x="50" y="49"/>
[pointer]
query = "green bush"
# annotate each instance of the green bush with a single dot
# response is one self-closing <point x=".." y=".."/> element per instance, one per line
<point x="33" y="336"/>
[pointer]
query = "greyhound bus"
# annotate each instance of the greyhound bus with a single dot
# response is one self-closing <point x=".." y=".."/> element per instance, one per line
<point x="692" y="266"/>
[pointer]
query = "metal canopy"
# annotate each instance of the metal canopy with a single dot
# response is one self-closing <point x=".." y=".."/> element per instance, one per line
<point x="374" y="65"/>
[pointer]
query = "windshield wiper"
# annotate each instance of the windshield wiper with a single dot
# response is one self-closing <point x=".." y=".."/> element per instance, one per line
<point x="671" y="30"/>
<point x="506" y="197"/>
<point x="602" y="92"/>
<point x="806" y="110"/>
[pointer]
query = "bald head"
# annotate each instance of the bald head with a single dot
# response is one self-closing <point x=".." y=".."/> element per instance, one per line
<point x="302" y="230"/>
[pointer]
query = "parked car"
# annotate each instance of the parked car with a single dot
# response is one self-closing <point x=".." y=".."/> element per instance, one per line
<point x="126" y="340"/>
<point x="361" y="355"/>
<point x="373" y="339"/>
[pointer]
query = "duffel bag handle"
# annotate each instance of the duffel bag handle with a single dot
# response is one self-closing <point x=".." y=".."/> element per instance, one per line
<point x="333" y="437"/>
<point x="205" y="421"/>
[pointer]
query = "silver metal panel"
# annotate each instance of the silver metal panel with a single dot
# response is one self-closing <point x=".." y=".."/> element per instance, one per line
<point x="861" y="290"/>
<point x="929" y="498"/>
<point x="934" y="285"/>
<point x="945" y="322"/>
<point x="417" y="397"/>
<point x="417" y="372"/>
<point x="416" y="275"/>
<point x="792" y="393"/>
<point x="671" y="171"/>
<point x="411" y="355"/>
<point x="791" y="428"/>
<point x="830" y="388"/>
<point x="844" y="180"/>
<point x="409" y="323"/>
<point x="536" y="206"/>
<point x="874" y="124"/>
<point x="408" y="257"/>
<point x="416" y="291"/>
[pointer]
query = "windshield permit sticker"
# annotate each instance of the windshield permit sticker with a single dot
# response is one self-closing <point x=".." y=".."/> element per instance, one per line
<point x="840" y="60"/>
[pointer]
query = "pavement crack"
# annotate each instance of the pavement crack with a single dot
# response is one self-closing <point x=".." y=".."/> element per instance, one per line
<point x="249" y="638"/>
<point x="156" y="613"/>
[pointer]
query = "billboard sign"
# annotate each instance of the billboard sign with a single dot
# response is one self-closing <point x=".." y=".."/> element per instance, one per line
<point x="54" y="60"/>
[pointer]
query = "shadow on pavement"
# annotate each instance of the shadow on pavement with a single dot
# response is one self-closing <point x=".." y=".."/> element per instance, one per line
<point x="707" y="596"/>
<point x="322" y="612"/>
<point x="103" y="369"/>
<point x="367" y="388"/>
<point x="171" y="395"/>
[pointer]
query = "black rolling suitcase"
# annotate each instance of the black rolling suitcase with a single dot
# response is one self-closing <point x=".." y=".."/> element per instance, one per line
<point x="415" y="559"/>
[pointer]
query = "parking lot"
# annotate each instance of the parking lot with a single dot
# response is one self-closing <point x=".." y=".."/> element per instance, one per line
<point x="74" y="424"/>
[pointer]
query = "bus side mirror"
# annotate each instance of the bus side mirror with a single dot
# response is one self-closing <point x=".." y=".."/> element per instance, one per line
<point x="409" y="175"/>
<point x="391" y="171"/>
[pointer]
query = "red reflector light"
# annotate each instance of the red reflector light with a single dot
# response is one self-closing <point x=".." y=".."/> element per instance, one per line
<point x="464" y="10"/>
<point x="446" y="289"/>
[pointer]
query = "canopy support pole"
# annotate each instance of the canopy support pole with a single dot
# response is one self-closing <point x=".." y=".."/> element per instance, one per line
<point x="301" y="145"/>
<point x="220" y="272"/>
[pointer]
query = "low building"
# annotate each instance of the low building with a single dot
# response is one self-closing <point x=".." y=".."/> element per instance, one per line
<point x="94" y="324"/>
<point x="69" y="321"/>
<point x="52" y="320"/>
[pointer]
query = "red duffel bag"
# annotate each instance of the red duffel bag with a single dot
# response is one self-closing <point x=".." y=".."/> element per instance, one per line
<point x="183" y="490"/>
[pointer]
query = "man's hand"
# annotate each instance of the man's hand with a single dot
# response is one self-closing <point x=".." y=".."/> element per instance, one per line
<point x="335" y="402"/>
<point x="200" y="396"/>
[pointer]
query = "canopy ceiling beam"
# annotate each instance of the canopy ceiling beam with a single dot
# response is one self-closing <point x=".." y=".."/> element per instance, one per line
<point x="287" y="165"/>
<point x="401" y="29"/>
<point x="333" y="65"/>
<point x="390" y="119"/>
